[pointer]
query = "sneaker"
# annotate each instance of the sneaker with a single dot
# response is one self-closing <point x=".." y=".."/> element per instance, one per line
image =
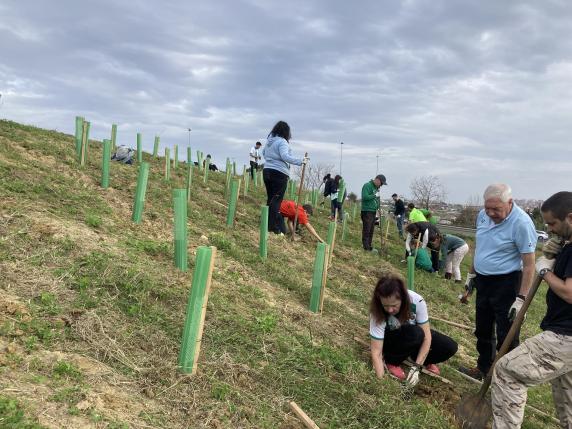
<point x="396" y="371"/>
<point x="475" y="373"/>
<point x="433" y="368"/>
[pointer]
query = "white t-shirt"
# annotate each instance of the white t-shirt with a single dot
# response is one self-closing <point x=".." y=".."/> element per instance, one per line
<point x="254" y="154"/>
<point x="418" y="315"/>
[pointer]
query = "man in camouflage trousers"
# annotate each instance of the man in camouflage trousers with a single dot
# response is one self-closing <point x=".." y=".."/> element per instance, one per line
<point x="546" y="357"/>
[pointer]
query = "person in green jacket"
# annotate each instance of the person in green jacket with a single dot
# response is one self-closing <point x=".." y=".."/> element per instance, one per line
<point x="429" y="216"/>
<point x="415" y="215"/>
<point x="369" y="206"/>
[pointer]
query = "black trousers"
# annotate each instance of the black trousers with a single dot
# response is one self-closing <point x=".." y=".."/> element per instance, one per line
<point x="495" y="295"/>
<point x="275" y="183"/>
<point x="406" y="341"/>
<point x="253" y="169"/>
<point x="434" y="258"/>
<point x="368" y="225"/>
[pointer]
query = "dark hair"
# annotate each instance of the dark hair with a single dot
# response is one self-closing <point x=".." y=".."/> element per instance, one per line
<point x="559" y="204"/>
<point x="394" y="195"/>
<point x="308" y="208"/>
<point x="337" y="179"/>
<point x="412" y="228"/>
<point x="281" y="129"/>
<point x="390" y="285"/>
<point x="411" y="205"/>
<point x="258" y="143"/>
<point x="326" y="177"/>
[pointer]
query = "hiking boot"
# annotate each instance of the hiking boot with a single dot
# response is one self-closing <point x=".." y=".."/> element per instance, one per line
<point x="433" y="368"/>
<point x="475" y="373"/>
<point x="396" y="371"/>
<point x="448" y="276"/>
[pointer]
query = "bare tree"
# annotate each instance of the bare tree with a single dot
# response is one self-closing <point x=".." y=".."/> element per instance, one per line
<point x="314" y="174"/>
<point x="468" y="215"/>
<point x="426" y="190"/>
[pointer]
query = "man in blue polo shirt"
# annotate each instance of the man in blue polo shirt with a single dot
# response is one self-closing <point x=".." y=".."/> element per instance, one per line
<point x="502" y="272"/>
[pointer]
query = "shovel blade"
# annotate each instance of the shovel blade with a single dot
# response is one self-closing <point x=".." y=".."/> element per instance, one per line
<point x="473" y="412"/>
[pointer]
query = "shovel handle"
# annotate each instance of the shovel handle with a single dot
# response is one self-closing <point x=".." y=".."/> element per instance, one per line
<point x="298" y="197"/>
<point x="511" y="334"/>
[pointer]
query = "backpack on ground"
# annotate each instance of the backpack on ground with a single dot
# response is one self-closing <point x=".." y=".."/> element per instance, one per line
<point x="123" y="154"/>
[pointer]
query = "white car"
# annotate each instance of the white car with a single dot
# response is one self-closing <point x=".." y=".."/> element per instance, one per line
<point x="542" y="236"/>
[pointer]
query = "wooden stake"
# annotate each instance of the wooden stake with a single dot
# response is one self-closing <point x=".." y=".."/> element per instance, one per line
<point x="458" y="325"/>
<point x="308" y="422"/>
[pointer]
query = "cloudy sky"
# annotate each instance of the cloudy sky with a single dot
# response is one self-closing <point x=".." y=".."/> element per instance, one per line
<point x="473" y="92"/>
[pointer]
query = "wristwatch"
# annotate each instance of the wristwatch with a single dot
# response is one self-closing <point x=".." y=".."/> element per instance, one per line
<point x="543" y="272"/>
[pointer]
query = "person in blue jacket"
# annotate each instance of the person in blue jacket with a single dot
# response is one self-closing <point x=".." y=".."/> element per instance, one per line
<point x="278" y="156"/>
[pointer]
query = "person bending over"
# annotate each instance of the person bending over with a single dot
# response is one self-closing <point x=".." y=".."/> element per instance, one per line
<point x="399" y="329"/>
<point x="288" y="211"/>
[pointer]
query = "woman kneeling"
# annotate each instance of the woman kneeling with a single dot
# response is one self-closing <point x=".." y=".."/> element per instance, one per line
<point x="399" y="329"/>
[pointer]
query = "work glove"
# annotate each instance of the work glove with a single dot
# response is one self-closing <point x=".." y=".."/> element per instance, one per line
<point x="413" y="377"/>
<point x="470" y="283"/>
<point x="552" y="247"/>
<point x="515" y="308"/>
<point x="544" y="262"/>
<point x="469" y="286"/>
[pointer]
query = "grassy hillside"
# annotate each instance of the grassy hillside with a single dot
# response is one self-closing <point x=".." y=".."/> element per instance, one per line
<point x="92" y="309"/>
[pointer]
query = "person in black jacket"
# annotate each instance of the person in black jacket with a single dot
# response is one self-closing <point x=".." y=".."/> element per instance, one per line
<point x="399" y="213"/>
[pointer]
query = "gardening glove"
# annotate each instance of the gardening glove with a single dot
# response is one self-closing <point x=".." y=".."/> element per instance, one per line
<point x="552" y="247"/>
<point x="305" y="160"/>
<point x="413" y="377"/>
<point x="470" y="283"/>
<point x="544" y="262"/>
<point x="469" y="286"/>
<point x="515" y="308"/>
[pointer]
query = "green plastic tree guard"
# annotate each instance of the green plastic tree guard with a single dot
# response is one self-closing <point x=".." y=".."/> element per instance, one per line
<point x="354" y="214"/>
<point x="84" y="142"/>
<point x="228" y="182"/>
<point x="246" y="181"/>
<point x="167" y="164"/>
<point x="180" y="210"/>
<point x="199" y="160"/>
<point x="411" y="273"/>
<point x="139" y="148"/>
<point x="256" y="179"/>
<point x="189" y="180"/>
<point x="207" y="168"/>
<point x="319" y="277"/>
<point x="156" y="146"/>
<point x="139" y="202"/>
<point x="234" y="168"/>
<point x="196" y="309"/>
<point x="176" y="157"/>
<point x="113" y="137"/>
<point x="341" y="190"/>
<point x="263" y="244"/>
<point x="234" y="191"/>
<point x="344" y="227"/>
<point x="189" y="155"/>
<point x="78" y="135"/>
<point x="331" y="238"/>
<point x="105" y="164"/>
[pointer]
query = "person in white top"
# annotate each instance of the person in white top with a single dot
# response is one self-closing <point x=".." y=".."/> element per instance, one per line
<point x="399" y="329"/>
<point x="254" y="158"/>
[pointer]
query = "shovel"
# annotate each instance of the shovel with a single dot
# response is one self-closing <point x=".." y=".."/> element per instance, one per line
<point x="299" y="196"/>
<point x="474" y="411"/>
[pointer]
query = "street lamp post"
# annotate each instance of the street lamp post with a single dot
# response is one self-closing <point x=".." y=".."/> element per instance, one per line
<point x="189" y="130"/>
<point x="377" y="165"/>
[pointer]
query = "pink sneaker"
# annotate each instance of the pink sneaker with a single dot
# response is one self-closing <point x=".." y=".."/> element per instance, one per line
<point x="433" y="368"/>
<point x="396" y="371"/>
